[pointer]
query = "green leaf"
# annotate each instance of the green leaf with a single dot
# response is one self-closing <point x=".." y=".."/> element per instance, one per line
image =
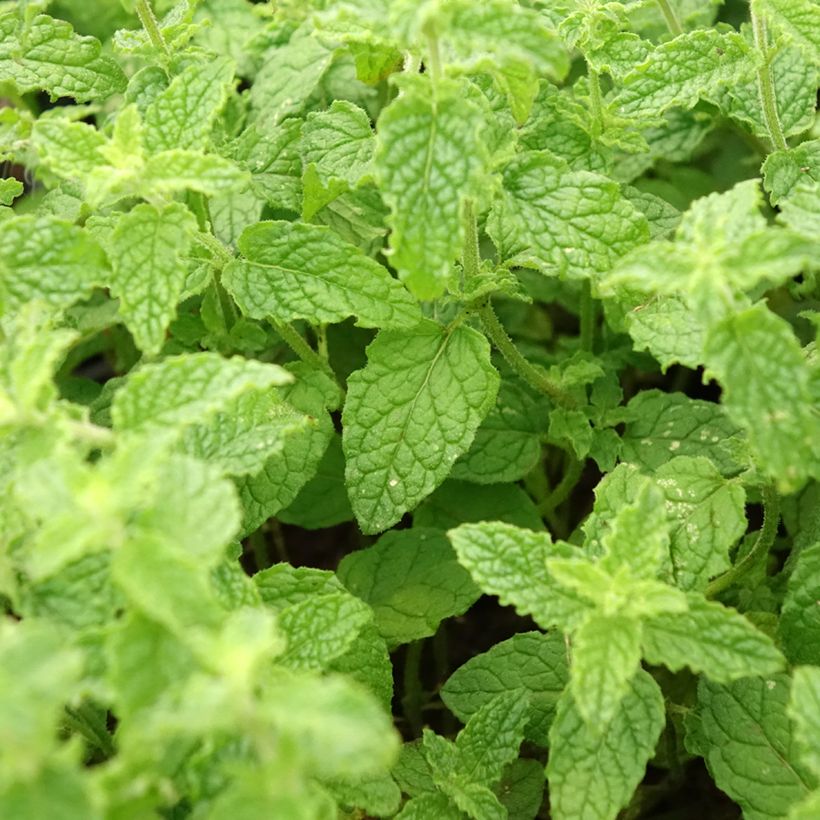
<point x="507" y="445"/>
<point x="804" y="710"/>
<point x="410" y="413"/>
<point x="185" y="390"/>
<point x="490" y="740"/>
<point x="799" y="18"/>
<point x="298" y="271"/>
<point x="287" y="78"/>
<point x="799" y="627"/>
<point x="318" y="630"/>
<point x="47" y="259"/>
<point x="148" y="252"/>
<point x="511" y="563"/>
<point x="707" y="516"/>
<point x="606" y="652"/>
<point x="429" y="159"/>
<point x="662" y="426"/>
<point x="679" y="72"/>
<point x="323" y="501"/>
<point x="182" y="116"/>
<point x="593" y="774"/>
<point x="712" y="639"/>
<point x="284" y="473"/>
<point x="531" y="662"/>
<point x="743" y="733"/>
<point x="783" y="170"/>
<point x="178" y="170"/>
<point x="412" y="581"/>
<point x="457" y="502"/>
<point x="572" y="223"/>
<point x="765" y="378"/>
<point x="45" y="54"/>
<point x="521" y="790"/>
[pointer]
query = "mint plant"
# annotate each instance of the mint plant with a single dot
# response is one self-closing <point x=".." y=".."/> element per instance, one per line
<point x="409" y="409"/>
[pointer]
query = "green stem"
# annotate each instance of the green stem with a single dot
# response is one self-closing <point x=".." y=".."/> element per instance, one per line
<point x="587" y="316"/>
<point x="671" y="17"/>
<point x="765" y="85"/>
<point x="596" y="100"/>
<point x="151" y="26"/>
<point x="99" y="437"/>
<point x="296" y="342"/>
<point x="470" y="255"/>
<point x="86" y="720"/>
<point x="217" y="249"/>
<point x="413" y="698"/>
<point x="533" y="376"/>
<point x="765" y="539"/>
<point x="564" y="487"/>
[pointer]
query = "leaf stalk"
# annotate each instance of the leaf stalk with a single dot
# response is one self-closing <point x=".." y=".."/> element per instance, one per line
<point x="765" y="84"/>
<point x="151" y="26"/>
<point x="671" y="18"/>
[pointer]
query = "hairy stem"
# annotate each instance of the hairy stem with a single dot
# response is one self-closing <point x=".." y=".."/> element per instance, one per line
<point x="765" y="85"/>
<point x="587" y="316"/>
<point x="151" y="26"/>
<point x="671" y="17"/>
<point x="564" y="487"/>
<point x="765" y="539"/>
<point x="533" y="376"/>
<point x="296" y="342"/>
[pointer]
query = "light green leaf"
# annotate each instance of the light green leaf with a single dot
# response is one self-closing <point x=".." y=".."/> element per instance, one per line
<point x="799" y="18"/>
<point x="249" y="430"/>
<point x="272" y="158"/>
<point x="712" y="639"/>
<point x="800" y="211"/>
<point x="38" y="673"/>
<point x="412" y="581"/>
<point x="593" y="774"/>
<point x="147" y="252"/>
<point x="45" y="54"/>
<point x="782" y="170"/>
<point x="765" y="379"/>
<point x="743" y="733"/>
<point x="185" y="390"/>
<point x="531" y="662"/>
<point x="804" y="710"/>
<point x="799" y="626"/>
<point x="47" y="259"/>
<point x="287" y="78"/>
<point x="664" y="425"/>
<point x="319" y="629"/>
<point x="10" y="189"/>
<point x="178" y="170"/>
<point x="410" y="413"/>
<point x="429" y="159"/>
<point x="69" y="149"/>
<point x="572" y="223"/>
<point x="512" y="563"/>
<point x="296" y="271"/>
<point x="670" y="330"/>
<point x="338" y="146"/>
<point x="637" y="539"/>
<point x="378" y="796"/>
<point x="606" y="653"/>
<point x="368" y="662"/>
<point x="490" y="740"/>
<point x="679" y="72"/>
<point x="707" y="517"/>
<point x="182" y="116"/>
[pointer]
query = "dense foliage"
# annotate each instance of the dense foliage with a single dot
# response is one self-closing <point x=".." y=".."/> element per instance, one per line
<point x="409" y="407"/>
